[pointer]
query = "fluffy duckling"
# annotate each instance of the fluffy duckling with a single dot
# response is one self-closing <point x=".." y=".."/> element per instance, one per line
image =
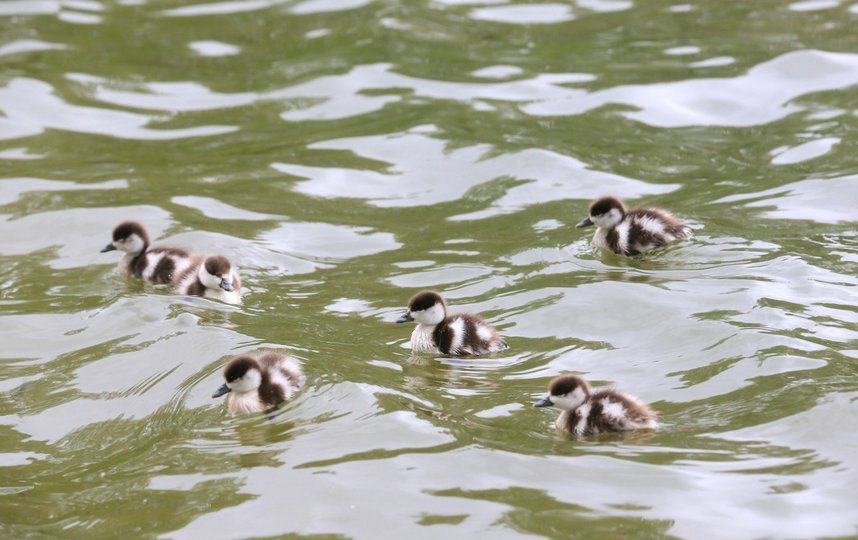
<point x="211" y="277"/>
<point x="632" y="232"/>
<point x="260" y="382"/>
<point x="439" y="333"/>
<point x="158" y="264"/>
<point x="591" y="413"/>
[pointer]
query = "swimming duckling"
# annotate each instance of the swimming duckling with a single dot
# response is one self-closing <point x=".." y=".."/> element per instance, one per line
<point x="586" y="413"/>
<point x="211" y="277"/>
<point x="258" y="383"/>
<point x="632" y="232"/>
<point x="158" y="264"/>
<point x="439" y="333"/>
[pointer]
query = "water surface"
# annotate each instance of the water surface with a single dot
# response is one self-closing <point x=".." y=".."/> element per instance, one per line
<point x="346" y="154"/>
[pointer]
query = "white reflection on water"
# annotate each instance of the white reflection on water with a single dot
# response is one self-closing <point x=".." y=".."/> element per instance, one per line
<point x="304" y="7"/>
<point x="763" y="95"/>
<point x="30" y="107"/>
<point x="804" y="151"/>
<point x="422" y="171"/>
<point x="338" y="96"/>
<point x="12" y="188"/>
<point x="216" y="209"/>
<point x="221" y="8"/>
<point x="831" y="200"/>
<point x="213" y="48"/>
<point x="525" y="14"/>
<point x="326" y="242"/>
<point x="322" y="6"/>
<point x="28" y="45"/>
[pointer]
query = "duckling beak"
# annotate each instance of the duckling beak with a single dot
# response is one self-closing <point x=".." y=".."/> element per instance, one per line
<point x="405" y="318"/>
<point x="544" y="402"/>
<point x="224" y="389"/>
<point x="108" y="247"/>
<point x="226" y="285"/>
<point x="586" y="222"/>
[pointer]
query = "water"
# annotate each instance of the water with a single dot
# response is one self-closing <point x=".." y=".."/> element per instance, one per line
<point x="347" y="153"/>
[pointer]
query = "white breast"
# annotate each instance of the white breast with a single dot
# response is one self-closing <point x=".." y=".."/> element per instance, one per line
<point x="230" y="297"/>
<point x="124" y="263"/>
<point x="421" y="340"/>
<point x="244" y="403"/>
<point x="600" y="239"/>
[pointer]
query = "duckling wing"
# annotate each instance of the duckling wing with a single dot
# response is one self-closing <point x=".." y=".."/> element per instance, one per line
<point x="614" y="411"/>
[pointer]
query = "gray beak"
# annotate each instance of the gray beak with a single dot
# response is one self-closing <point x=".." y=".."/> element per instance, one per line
<point x="586" y="222"/>
<point x="544" y="402"/>
<point x="405" y="318"/>
<point x="224" y="389"/>
<point x="108" y="247"/>
<point x="226" y="285"/>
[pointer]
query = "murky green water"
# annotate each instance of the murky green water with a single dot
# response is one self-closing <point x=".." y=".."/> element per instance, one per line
<point x="347" y="153"/>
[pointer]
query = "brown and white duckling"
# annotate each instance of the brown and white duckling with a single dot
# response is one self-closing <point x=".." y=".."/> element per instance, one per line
<point x="632" y="232"/>
<point x="211" y="277"/>
<point x="158" y="264"/>
<point x="439" y="333"/>
<point x="260" y="382"/>
<point x="591" y="413"/>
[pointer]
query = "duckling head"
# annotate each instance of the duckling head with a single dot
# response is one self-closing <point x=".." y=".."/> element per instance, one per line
<point x="566" y="392"/>
<point x="604" y="213"/>
<point x="216" y="273"/>
<point x="425" y="307"/>
<point x="242" y="374"/>
<point x="129" y="237"/>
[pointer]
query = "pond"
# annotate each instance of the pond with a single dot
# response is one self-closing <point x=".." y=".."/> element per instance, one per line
<point x="346" y="154"/>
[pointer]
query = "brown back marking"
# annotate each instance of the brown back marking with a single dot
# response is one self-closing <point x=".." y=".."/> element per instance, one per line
<point x="471" y="341"/>
<point x="167" y="265"/>
<point x="196" y="288"/>
<point x="613" y="239"/>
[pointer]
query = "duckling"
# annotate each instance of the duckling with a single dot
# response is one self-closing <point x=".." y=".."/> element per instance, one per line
<point x="211" y="277"/>
<point x="586" y="413"/>
<point x="260" y="382"/>
<point x="439" y="333"/>
<point x="632" y="232"/>
<point x="158" y="264"/>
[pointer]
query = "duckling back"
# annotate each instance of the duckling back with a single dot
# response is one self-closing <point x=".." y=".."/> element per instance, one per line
<point x="158" y="265"/>
<point x="606" y="411"/>
<point x="463" y="333"/>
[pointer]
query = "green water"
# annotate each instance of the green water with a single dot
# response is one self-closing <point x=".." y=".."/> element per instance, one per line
<point x="348" y="153"/>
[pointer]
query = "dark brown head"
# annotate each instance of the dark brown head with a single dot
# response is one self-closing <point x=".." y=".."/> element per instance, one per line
<point x="130" y="237"/>
<point x="242" y="374"/>
<point x="425" y="307"/>
<point x="566" y="392"/>
<point x="216" y="272"/>
<point x="604" y="213"/>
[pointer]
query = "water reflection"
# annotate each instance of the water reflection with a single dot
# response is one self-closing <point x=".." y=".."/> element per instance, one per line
<point x="422" y="171"/>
